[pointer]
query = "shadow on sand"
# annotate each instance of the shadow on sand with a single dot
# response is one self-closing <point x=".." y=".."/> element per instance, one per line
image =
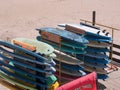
<point x="101" y="86"/>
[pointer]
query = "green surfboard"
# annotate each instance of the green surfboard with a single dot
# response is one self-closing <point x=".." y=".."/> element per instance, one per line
<point x="66" y="48"/>
<point x="41" y="47"/>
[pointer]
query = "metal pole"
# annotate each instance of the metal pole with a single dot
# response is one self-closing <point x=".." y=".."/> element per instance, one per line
<point x="93" y="18"/>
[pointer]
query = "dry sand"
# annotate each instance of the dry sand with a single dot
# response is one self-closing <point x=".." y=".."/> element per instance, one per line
<point x="19" y="18"/>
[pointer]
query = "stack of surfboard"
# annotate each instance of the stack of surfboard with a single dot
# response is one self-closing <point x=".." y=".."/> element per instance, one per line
<point x="65" y="42"/>
<point x="27" y="63"/>
<point x="99" y="43"/>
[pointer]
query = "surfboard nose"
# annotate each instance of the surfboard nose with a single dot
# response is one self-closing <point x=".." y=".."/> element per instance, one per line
<point x="53" y="55"/>
<point x="51" y="62"/>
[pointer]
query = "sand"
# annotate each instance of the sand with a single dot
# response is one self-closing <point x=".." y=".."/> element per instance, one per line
<point x="19" y="18"/>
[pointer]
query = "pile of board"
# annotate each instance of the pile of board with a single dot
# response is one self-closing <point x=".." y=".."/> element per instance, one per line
<point x="66" y="44"/>
<point x="28" y="63"/>
<point x="96" y="58"/>
<point x="76" y="43"/>
<point x="64" y="54"/>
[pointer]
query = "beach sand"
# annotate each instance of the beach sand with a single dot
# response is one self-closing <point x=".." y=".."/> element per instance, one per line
<point x="20" y="18"/>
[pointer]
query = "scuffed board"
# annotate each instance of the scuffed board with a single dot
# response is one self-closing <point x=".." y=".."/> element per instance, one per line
<point x="51" y="37"/>
<point x="74" y="29"/>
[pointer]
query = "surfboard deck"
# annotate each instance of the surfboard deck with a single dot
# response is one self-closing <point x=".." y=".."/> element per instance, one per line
<point x="40" y="47"/>
<point x="67" y="58"/>
<point x="89" y="31"/>
<point x="64" y="34"/>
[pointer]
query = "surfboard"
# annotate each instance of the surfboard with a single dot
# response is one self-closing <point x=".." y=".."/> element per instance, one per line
<point x="22" y="59"/>
<point x="96" y="65"/>
<point x="65" y="76"/>
<point x="94" y="49"/>
<point x="96" y="55"/>
<point x="40" y="47"/>
<point x="17" y="74"/>
<point x="26" y="66"/>
<point x="93" y="60"/>
<point x="73" y="44"/>
<point x="49" y="79"/>
<point x="89" y="31"/>
<point x="15" y="82"/>
<point x="98" y="44"/>
<point x="66" y="42"/>
<point x="14" y="69"/>
<point x="65" y="48"/>
<point x="68" y="66"/>
<point x="102" y="76"/>
<point x="21" y="78"/>
<point x="76" y="73"/>
<point x="67" y="58"/>
<point x="13" y="47"/>
<point x="7" y="48"/>
<point x="64" y="34"/>
<point x="98" y="40"/>
<point x="97" y="70"/>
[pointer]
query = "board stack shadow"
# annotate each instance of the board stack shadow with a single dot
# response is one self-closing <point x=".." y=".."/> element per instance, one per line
<point x="96" y="58"/>
<point x="27" y="63"/>
<point x="65" y="42"/>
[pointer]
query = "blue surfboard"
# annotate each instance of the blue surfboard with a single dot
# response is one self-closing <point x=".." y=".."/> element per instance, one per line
<point x="65" y="34"/>
<point x="89" y="31"/>
<point x="21" y="78"/>
<point x="92" y="49"/>
<point x="93" y="60"/>
<point x="25" y="65"/>
<point x="22" y="72"/>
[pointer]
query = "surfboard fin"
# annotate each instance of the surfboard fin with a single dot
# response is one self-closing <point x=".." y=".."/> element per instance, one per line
<point x="104" y="31"/>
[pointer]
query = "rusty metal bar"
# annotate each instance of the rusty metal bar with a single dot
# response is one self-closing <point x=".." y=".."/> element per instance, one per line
<point x="93" y="18"/>
<point x="116" y="46"/>
<point x="111" y="48"/>
<point x="86" y="21"/>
